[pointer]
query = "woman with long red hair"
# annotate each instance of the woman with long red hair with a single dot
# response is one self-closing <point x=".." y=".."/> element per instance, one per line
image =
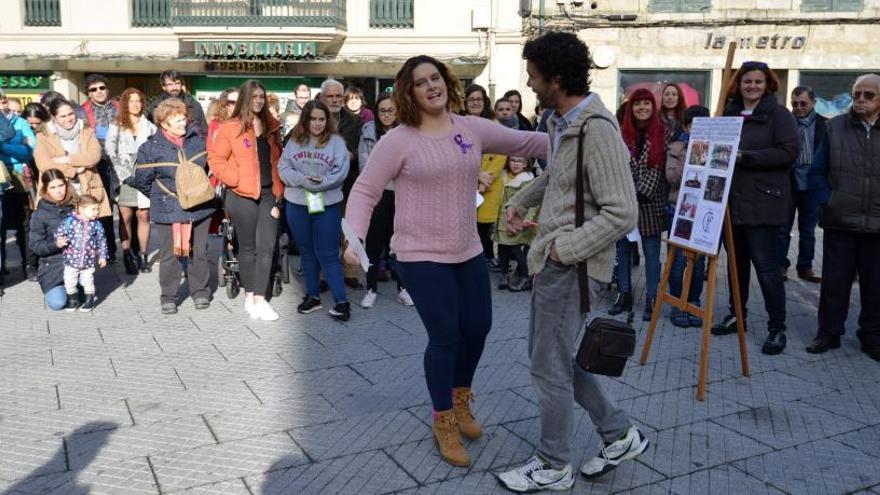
<point x="644" y="135"/>
<point x="124" y="137"/>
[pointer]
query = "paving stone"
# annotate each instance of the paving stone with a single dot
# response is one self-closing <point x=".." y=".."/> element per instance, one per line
<point x="866" y="440"/>
<point x="392" y="369"/>
<point x="661" y="376"/>
<point x="28" y="400"/>
<point x="330" y="383"/>
<point x="678" y="407"/>
<point x="137" y="441"/>
<point x="772" y="387"/>
<point x="496" y="449"/>
<point x="785" y="425"/>
<point x="153" y="407"/>
<point x="696" y="446"/>
<point x="360" y="434"/>
<point x="819" y="467"/>
<point x="228" y="460"/>
<point x="369" y="472"/>
<point x="496" y="377"/>
<point x="861" y="404"/>
<point x="24" y="428"/>
<point x="271" y="417"/>
<point x="233" y="487"/>
<point x="383" y="396"/>
<point x="721" y="479"/>
<point x="31" y="458"/>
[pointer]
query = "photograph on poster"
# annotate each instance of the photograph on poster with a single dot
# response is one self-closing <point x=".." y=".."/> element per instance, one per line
<point x="721" y="156"/>
<point x="714" y="188"/>
<point x="689" y="204"/>
<point x="693" y="179"/>
<point x="683" y="229"/>
<point x="699" y="152"/>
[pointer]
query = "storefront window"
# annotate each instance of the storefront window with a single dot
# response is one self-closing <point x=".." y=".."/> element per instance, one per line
<point x="832" y="89"/>
<point x="694" y="83"/>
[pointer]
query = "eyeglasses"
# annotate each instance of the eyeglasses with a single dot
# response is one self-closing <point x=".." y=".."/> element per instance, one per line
<point x="95" y="89"/>
<point x="868" y="95"/>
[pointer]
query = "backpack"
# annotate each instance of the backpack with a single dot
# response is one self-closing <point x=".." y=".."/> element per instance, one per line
<point x="193" y="186"/>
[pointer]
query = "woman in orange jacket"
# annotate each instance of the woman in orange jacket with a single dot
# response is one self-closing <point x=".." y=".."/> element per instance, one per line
<point x="244" y="157"/>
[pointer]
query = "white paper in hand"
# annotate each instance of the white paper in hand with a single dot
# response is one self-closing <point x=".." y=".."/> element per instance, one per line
<point x="480" y="199"/>
<point x="355" y="244"/>
<point x="634" y="235"/>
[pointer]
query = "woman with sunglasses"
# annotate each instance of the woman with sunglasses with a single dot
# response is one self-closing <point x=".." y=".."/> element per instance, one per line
<point x="760" y="199"/>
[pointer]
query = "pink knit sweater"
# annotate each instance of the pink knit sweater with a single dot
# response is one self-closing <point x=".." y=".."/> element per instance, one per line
<point x="435" y="181"/>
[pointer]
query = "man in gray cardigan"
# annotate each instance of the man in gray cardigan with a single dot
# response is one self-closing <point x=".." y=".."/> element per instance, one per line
<point x="558" y="68"/>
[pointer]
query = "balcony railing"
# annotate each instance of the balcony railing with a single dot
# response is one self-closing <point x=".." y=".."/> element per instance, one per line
<point x="42" y="13"/>
<point x="293" y="13"/>
<point x="391" y="14"/>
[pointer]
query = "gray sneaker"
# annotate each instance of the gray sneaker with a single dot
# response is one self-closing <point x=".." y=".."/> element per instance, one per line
<point x="536" y="475"/>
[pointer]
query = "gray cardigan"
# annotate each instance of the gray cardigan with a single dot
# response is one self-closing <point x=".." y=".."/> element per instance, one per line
<point x="609" y="196"/>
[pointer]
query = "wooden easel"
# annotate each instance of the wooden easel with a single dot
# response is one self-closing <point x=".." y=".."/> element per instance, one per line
<point x="681" y="301"/>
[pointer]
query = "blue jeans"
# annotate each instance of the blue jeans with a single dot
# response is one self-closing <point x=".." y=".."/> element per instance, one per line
<point x="454" y="302"/>
<point x="56" y="298"/>
<point x="676" y="277"/>
<point x="317" y="235"/>
<point x="651" y="252"/>
<point x="806" y="204"/>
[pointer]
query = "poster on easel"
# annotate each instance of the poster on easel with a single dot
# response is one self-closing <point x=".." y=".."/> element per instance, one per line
<point x="705" y="184"/>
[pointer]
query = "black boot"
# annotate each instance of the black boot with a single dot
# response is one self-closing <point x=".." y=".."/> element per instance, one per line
<point x="649" y="308"/>
<point x="130" y="262"/>
<point x="88" y="304"/>
<point x="623" y="303"/>
<point x="72" y="302"/>
<point x="775" y="342"/>
<point x="503" y="281"/>
<point x="144" y="264"/>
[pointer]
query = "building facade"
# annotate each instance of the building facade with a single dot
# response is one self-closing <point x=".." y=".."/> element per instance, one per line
<point x="55" y="44"/>
<point x="824" y="44"/>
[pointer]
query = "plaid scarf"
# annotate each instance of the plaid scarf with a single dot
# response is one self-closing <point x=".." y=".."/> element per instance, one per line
<point x="807" y="126"/>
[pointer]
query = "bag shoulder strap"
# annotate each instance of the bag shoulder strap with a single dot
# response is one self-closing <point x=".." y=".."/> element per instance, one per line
<point x="583" y="275"/>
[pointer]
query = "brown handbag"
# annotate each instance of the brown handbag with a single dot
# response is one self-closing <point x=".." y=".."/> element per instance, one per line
<point x="607" y="342"/>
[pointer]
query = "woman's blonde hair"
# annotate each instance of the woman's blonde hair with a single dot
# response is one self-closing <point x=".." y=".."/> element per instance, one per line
<point x="168" y="108"/>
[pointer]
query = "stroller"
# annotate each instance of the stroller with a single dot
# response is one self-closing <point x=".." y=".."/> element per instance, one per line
<point x="229" y="277"/>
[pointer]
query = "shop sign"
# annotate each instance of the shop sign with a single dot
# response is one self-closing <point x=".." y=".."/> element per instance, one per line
<point x="24" y="81"/>
<point x="246" y="66"/>
<point x="243" y="50"/>
<point x="773" y="42"/>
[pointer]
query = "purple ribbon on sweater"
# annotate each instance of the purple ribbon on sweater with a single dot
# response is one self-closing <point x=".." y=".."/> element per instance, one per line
<point x="465" y="147"/>
<point x="247" y="143"/>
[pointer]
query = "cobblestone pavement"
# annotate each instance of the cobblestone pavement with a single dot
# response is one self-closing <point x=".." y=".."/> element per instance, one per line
<point x="127" y="401"/>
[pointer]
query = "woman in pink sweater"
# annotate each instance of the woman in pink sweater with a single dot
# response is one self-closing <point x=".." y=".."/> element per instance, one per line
<point x="434" y="159"/>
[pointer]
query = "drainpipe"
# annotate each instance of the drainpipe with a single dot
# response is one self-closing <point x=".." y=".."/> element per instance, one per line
<point x="541" y="16"/>
<point x="493" y="24"/>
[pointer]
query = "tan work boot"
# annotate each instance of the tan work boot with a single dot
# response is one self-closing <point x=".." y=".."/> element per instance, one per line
<point x="461" y="406"/>
<point x="448" y="439"/>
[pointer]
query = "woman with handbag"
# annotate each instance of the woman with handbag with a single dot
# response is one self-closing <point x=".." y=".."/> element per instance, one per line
<point x="182" y="233"/>
<point x="124" y="137"/>
<point x="244" y="156"/>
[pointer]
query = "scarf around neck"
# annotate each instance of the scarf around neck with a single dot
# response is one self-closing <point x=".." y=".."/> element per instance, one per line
<point x="70" y="138"/>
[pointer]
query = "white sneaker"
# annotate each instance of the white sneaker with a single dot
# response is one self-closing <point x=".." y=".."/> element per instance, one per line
<point x="629" y="447"/>
<point x="537" y="475"/>
<point x="404" y="298"/>
<point x="369" y="299"/>
<point x="249" y="305"/>
<point x="264" y="311"/>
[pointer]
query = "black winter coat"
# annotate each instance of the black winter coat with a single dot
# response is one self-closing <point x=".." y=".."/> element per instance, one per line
<point x="164" y="208"/>
<point x="853" y="171"/>
<point x="761" y="192"/>
<point x="44" y="223"/>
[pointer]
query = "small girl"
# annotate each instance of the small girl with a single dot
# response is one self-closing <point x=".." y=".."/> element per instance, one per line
<point x="86" y="248"/>
<point x="518" y="173"/>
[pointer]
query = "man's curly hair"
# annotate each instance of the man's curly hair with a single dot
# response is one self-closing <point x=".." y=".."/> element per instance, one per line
<point x="563" y="55"/>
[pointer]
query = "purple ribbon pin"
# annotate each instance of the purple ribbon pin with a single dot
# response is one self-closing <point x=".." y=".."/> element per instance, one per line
<point x="465" y="147"/>
<point x="247" y="143"/>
